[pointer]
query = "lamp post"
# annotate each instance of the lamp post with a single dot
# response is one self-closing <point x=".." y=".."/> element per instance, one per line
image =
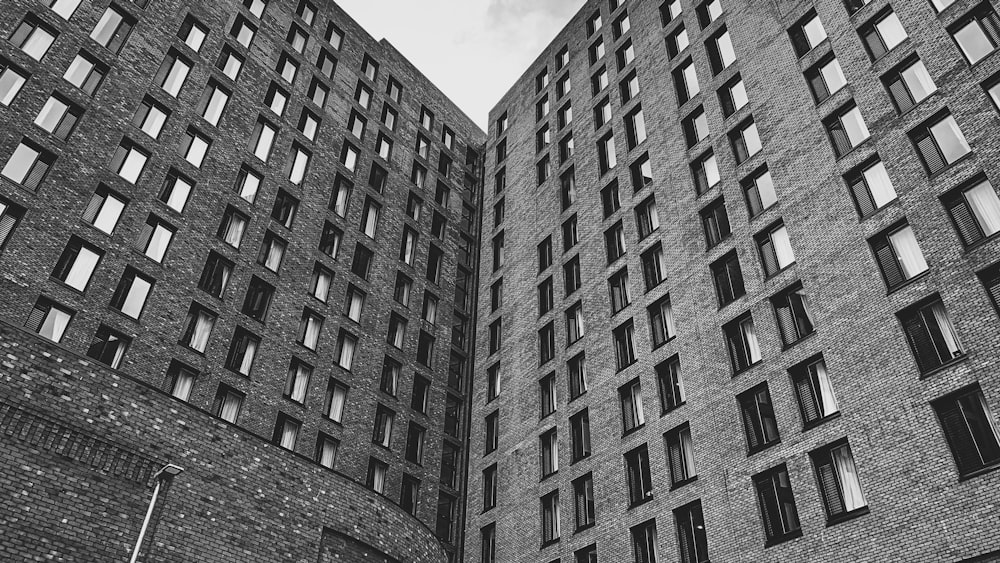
<point x="168" y="471"/>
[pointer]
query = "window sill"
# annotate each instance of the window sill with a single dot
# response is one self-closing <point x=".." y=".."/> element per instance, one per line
<point x="664" y="412"/>
<point x="983" y="241"/>
<point x="981" y="471"/>
<point x="790" y="345"/>
<point x="548" y="543"/>
<point x="633" y="430"/>
<point x="783" y="538"/>
<point x="657" y="346"/>
<point x="910" y="281"/>
<point x="549" y="476"/>
<point x="640" y="502"/>
<point x="766" y="446"/>
<point x="856" y="513"/>
<point x="935" y="175"/>
<point x="746" y="369"/>
<point x="679" y="484"/>
<point x="855" y="149"/>
<point x="820" y="421"/>
<point x="579" y="459"/>
<point x="583" y="528"/>
<point x="954" y="361"/>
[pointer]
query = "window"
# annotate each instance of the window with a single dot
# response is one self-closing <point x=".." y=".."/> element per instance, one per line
<point x="618" y="285"/>
<point x="777" y="505"/>
<point x="571" y="275"/>
<point x="154" y="238"/>
<point x="361" y="265"/>
<point x="49" y="319"/>
<point x="286" y="431"/>
<point x="970" y="429"/>
<point x="838" y="481"/>
<point x="150" y="117"/>
<point x="708" y="12"/>
<point x="661" y="321"/>
<point x="758" y="418"/>
<point x="695" y="126"/>
<point x="544" y="169"/>
<point x="669" y="10"/>
<point x="807" y="33"/>
<point x="596" y="50"/>
<point x="229" y="62"/>
<point x="909" y="83"/>
<point x="180" y="380"/>
<point x="287" y="67"/>
<point x="728" y="278"/>
<point x="377" y="473"/>
<point x="846" y="129"/>
<point x="775" y="249"/>
<point x="10" y="215"/>
<point x="544" y="254"/>
<point x="257" y="299"/>
<point x="975" y="210"/>
<point x="977" y="34"/>
<point x="272" y="250"/>
<point x="629" y="87"/>
<point x="898" y="255"/>
<point x="426" y="118"/>
<point x="326" y="453"/>
<point x="670" y="384"/>
<point x="545" y="296"/>
<point x="113" y="29"/>
<point x="341" y="195"/>
<point x="354" y="304"/>
<point x="297" y="383"/>
<point x="550" y="518"/>
<point x="870" y="186"/>
<point x="598" y="82"/>
<point x="132" y="293"/>
<point x="680" y="455"/>
<point x="425" y="349"/>
<point x="346" y="345"/>
<point x="197" y="328"/>
<point x="58" y="116"/>
<point x="654" y="267"/>
<point x="276" y="99"/>
<point x="334" y="36"/>
<point x="686" y="82"/>
<point x="232" y="227"/>
<point x="715" y="221"/>
<point x="262" y="139"/>
<point x="488" y="534"/>
<point x="638" y="476"/>
<point x="580" y="435"/>
<point x="643" y="535"/>
<point x="33" y="37"/>
<point x="172" y="73"/>
<point x="677" y="41"/>
<point x="602" y="113"/>
<point x="109" y="346"/>
<point x="336" y="398"/>
<point x="242" y="351"/>
<point x="227" y="404"/>
<point x="546" y="343"/>
<point x="195" y="147"/>
<point x="548" y="447"/>
<point x="243" y="31"/>
<point x="625" y="54"/>
<point x="814" y="392"/>
<point x="583" y="502"/>
<point x="825" y="78"/>
<point x="614" y="241"/>
<point x="86" y="73"/>
<point x="397" y="331"/>
<point x="733" y="96"/>
<point x="310" y="326"/>
<point x="390" y="376"/>
<point x="565" y="153"/>
<point x="444" y="527"/>
<point x="691" y="536"/>
<point x="77" y="263"/>
<point x="741" y="339"/>
<point x="12" y="79"/>
<point x="298" y="162"/>
<point x="435" y="256"/>
<point x="792" y="309"/>
<point x="28" y="164"/>
<point x="705" y="171"/>
<point x="574" y="323"/>
<point x="64" y="8"/>
<point x="635" y="128"/>
<point x="492" y="432"/>
<point x="720" y="51"/>
<point x="641" y="172"/>
<point x="318" y="92"/>
<point x="415" y="443"/>
<point x="882" y="34"/>
<point x="745" y="140"/>
<point x="630" y="396"/>
<point x="297" y="38"/>
<point x="621" y="24"/>
<point x="308" y="125"/>
<point x="930" y="333"/>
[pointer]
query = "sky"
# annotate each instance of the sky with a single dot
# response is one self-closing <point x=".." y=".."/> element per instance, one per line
<point x="473" y="50"/>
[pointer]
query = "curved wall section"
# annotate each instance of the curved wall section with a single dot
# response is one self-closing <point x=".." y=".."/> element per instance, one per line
<point x="80" y="445"/>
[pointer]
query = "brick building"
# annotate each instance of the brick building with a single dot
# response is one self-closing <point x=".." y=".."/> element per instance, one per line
<point x="738" y="294"/>
<point x="243" y="234"/>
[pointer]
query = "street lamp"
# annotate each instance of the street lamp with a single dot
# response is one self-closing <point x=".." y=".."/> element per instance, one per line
<point x="166" y="472"/>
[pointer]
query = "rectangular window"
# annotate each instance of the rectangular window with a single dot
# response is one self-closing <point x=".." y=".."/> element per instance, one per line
<point x="814" y="392"/>
<point x="198" y="328"/>
<point x="272" y="251"/>
<point x="625" y="54"/>
<point x="151" y="117"/>
<point x="939" y="142"/>
<point x="12" y="79"/>
<point x="623" y="337"/>
<point x="733" y="96"/>
<point x="644" y="535"/>
<point x="548" y="447"/>
<point x="425" y="349"/>
<point x="572" y="279"/>
<point x="777" y="505"/>
<point x="227" y="404"/>
<point x="180" y="380"/>
<point x="670" y="384"/>
<point x="654" y="267"/>
<point x="242" y="351"/>
<point x="635" y="128"/>
<point x="633" y="415"/>
<point x="154" y="238"/>
<point x="758" y="418"/>
<point x="33" y="37"/>
<point x="691" y="536"/>
<point x="728" y="278"/>
<point x="63" y="8"/>
<point x="825" y="78"/>
<point x="792" y="309"/>
<point x="354" y="304"/>
<point x="86" y="73"/>
<point x="310" y="326"/>
<point x="571" y="235"/>
<point x="257" y="299"/>
<point x="741" y="340"/>
<point x="838" y="481"/>
<point x="909" y="83"/>
<point x="705" y="171"/>
<point x="870" y="186"/>
<point x="297" y="382"/>
<point x="580" y="435"/>
<point x="336" y="399"/>
<point x="898" y="255"/>
<point x="686" y="82"/>
<point x="402" y="289"/>
<point x="28" y="164"/>
<point x="58" y="116"/>
<point x="262" y="139"/>
<point x="695" y="127"/>
<point x="318" y="92"/>
<point x="607" y="157"/>
<point x="545" y="296"/>
<point x="48" y="319"/>
<point x="931" y="334"/>
<point x="970" y="429"/>
<point x="546" y="343"/>
<point x="614" y="240"/>
<point x="661" y="321"/>
<point x="492" y="431"/>
<point x="361" y="264"/>
<point x="194" y="147"/>
<point x="326" y="452"/>
<point x="132" y="293"/>
<point x="230" y="62"/>
<point x="77" y="263"/>
<point x="109" y="346"/>
<point x="974" y="209"/>
<point x="243" y="31"/>
<point x="977" y="34"/>
<point x="708" y="11"/>
<point x="745" y="141"/>
<point x="112" y="29"/>
<point x="775" y="249"/>
<point x="720" y="50"/>
<point x="680" y="455"/>
<point x="377" y="473"/>
<point x="346" y="345"/>
<point x="715" y="220"/>
<point x="574" y="323"/>
<point x="638" y="476"/>
<point x="550" y="518"/>
<point x="10" y="215"/>
<point x="583" y="502"/>
<point x="846" y="129"/>
<point x="807" y="33"/>
<point x="618" y="286"/>
<point x="677" y="40"/>
<point x="882" y="33"/>
<point x="172" y="73"/>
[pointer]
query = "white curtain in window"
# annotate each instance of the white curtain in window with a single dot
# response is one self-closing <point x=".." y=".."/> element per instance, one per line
<point x="854" y="126"/>
<point x="298" y="170"/>
<point x="311" y="336"/>
<point x="950" y="139"/>
<point x="985" y="206"/>
<point x="847" y="475"/>
<point x="234" y="232"/>
<point x="346" y="353"/>
<point x="54" y="325"/>
<point x="688" y="448"/>
<point x="782" y="247"/>
<point x="158" y="243"/>
<point x="132" y="166"/>
<point x="640" y="415"/>
<point x="119" y="354"/>
<point x="947" y="329"/>
<point x="378" y="478"/>
<point x="340" y="207"/>
<point x="136" y="297"/>
<point x="989" y="415"/>
<point x="753" y="346"/>
<point x="681" y="393"/>
<point x="178" y="195"/>
<point x="248" y="355"/>
<point x="289" y="434"/>
<point x="329" y="453"/>
<point x="82" y="268"/>
<point x="431" y="313"/>
<point x="371" y="220"/>
<point x="300" y="384"/>
<point x="827" y="400"/>
<point x="230" y="407"/>
<point x="274" y="254"/>
<point x="879" y="184"/>
<point x="911" y="260"/>
<point x="202" y="329"/>
<point x="354" y="311"/>
<point x="337" y="400"/>
<point x="668" y="318"/>
<point x="322" y="288"/>
<point x="182" y="385"/>
<point x="408" y="245"/>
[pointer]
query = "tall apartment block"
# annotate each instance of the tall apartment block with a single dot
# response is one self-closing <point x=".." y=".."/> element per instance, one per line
<point x="237" y="241"/>
<point x="739" y="288"/>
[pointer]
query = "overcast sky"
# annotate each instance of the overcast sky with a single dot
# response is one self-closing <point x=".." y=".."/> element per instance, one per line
<point x="473" y="50"/>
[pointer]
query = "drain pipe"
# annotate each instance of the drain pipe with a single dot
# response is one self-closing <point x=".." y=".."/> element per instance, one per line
<point x="166" y="472"/>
